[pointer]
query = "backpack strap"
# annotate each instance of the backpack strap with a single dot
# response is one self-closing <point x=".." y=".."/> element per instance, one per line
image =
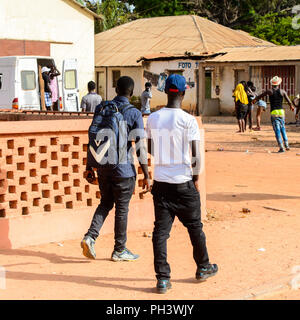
<point x="126" y="107"/>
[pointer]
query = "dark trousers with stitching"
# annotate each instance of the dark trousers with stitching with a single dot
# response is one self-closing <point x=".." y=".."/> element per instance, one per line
<point x="183" y="201"/>
<point x="116" y="191"/>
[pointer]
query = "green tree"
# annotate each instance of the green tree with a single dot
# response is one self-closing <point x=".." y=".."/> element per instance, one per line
<point x="270" y="20"/>
<point x="114" y="12"/>
<point x="158" y="8"/>
<point x="275" y="28"/>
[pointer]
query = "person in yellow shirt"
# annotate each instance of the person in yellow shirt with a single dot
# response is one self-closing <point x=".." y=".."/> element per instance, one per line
<point x="241" y="105"/>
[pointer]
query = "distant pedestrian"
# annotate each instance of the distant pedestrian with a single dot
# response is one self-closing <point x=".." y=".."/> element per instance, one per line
<point x="250" y="89"/>
<point x="296" y="103"/>
<point x="276" y="96"/>
<point x="261" y="107"/>
<point x="241" y="105"/>
<point x="54" y="73"/>
<point x="47" y="89"/>
<point x="172" y="134"/>
<point x="90" y="101"/>
<point x="145" y="99"/>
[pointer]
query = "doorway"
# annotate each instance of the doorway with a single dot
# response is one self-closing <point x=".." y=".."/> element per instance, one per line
<point x="101" y="84"/>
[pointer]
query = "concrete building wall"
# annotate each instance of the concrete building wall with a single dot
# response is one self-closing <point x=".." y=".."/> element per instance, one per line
<point x="150" y="72"/>
<point x="68" y="29"/>
<point x="226" y="90"/>
<point x="136" y="73"/>
<point x="226" y="75"/>
<point x="188" y="68"/>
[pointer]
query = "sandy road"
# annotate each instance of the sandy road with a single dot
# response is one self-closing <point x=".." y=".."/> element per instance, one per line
<point x="255" y="251"/>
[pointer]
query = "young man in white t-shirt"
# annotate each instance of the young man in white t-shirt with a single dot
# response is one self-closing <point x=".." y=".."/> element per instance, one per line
<point x="172" y="134"/>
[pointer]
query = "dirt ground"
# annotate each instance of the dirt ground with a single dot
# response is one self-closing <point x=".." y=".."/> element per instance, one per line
<point x="254" y="250"/>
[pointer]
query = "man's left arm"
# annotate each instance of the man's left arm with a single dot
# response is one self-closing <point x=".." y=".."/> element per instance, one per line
<point x="141" y="150"/>
<point x="196" y="161"/>
<point x="286" y="97"/>
<point x="194" y="141"/>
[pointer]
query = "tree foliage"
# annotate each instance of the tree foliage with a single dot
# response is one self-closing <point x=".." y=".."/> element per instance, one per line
<point x="270" y="20"/>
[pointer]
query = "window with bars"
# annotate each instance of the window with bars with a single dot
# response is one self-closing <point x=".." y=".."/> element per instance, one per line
<point x="262" y="75"/>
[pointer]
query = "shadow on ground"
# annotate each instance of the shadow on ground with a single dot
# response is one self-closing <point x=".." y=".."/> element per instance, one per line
<point x="230" y="197"/>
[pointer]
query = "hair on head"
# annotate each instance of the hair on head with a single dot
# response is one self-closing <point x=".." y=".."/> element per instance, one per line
<point x="125" y="86"/>
<point x="91" y="86"/>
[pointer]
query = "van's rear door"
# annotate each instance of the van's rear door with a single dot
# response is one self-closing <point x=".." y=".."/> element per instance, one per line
<point x="70" y="85"/>
<point x="27" y="88"/>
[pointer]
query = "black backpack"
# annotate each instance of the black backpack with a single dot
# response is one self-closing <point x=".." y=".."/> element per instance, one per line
<point x="108" y="136"/>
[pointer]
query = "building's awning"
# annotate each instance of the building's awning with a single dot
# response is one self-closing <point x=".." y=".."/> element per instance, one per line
<point x="257" y="54"/>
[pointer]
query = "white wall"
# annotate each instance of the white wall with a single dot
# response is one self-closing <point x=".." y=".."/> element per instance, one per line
<point x="156" y="67"/>
<point x="226" y="84"/>
<point x="188" y="67"/>
<point x="136" y="73"/>
<point x="53" y="21"/>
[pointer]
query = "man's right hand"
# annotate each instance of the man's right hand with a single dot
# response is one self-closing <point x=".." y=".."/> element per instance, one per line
<point x="197" y="185"/>
<point x="89" y="176"/>
<point x="147" y="185"/>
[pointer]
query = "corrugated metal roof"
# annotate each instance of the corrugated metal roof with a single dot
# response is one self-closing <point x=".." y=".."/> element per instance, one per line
<point x="248" y="54"/>
<point x="125" y="44"/>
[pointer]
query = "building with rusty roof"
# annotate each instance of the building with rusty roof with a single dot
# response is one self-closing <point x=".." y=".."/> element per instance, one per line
<point x="151" y="49"/>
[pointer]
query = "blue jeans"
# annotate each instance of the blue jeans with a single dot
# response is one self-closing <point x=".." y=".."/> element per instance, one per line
<point x="278" y="124"/>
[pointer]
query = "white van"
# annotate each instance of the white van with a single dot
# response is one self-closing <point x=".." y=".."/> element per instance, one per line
<point x="20" y="83"/>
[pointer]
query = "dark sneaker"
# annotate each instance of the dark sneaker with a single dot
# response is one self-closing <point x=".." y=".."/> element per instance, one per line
<point x="88" y="247"/>
<point x="280" y="150"/>
<point x="209" y="271"/>
<point x="287" y="148"/>
<point x="163" y="286"/>
<point x="124" y="255"/>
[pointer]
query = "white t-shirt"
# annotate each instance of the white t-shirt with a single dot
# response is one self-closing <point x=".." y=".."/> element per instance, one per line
<point x="171" y="130"/>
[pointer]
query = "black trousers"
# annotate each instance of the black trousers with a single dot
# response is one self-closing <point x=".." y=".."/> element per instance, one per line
<point x="183" y="201"/>
<point x="116" y="191"/>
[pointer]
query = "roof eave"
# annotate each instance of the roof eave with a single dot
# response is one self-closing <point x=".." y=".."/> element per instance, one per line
<point x="95" y="15"/>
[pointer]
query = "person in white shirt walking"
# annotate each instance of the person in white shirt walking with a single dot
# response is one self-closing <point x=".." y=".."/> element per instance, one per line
<point x="146" y="96"/>
<point x="172" y="134"/>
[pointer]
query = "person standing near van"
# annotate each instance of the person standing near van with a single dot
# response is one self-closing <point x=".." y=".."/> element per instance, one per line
<point x="117" y="182"/>
<point x="171" y="134"/>
<point x="54" y="73"/>
<point x="47" y="89"/>
<point x="276" y="96"/>
<point x="146" y="96"/>
<point x="90" y="101"/>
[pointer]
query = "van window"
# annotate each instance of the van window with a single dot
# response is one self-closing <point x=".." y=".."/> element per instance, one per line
<point x="1" y="75"/>
<point x="28" y="80"/>
<point x="70" y="79"/>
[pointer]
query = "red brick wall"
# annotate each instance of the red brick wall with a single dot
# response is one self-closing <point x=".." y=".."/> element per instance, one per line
<point x="24" y="48"/>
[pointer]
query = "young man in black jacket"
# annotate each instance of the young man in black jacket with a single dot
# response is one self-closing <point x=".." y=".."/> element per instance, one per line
<point x="117" y="185"/>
